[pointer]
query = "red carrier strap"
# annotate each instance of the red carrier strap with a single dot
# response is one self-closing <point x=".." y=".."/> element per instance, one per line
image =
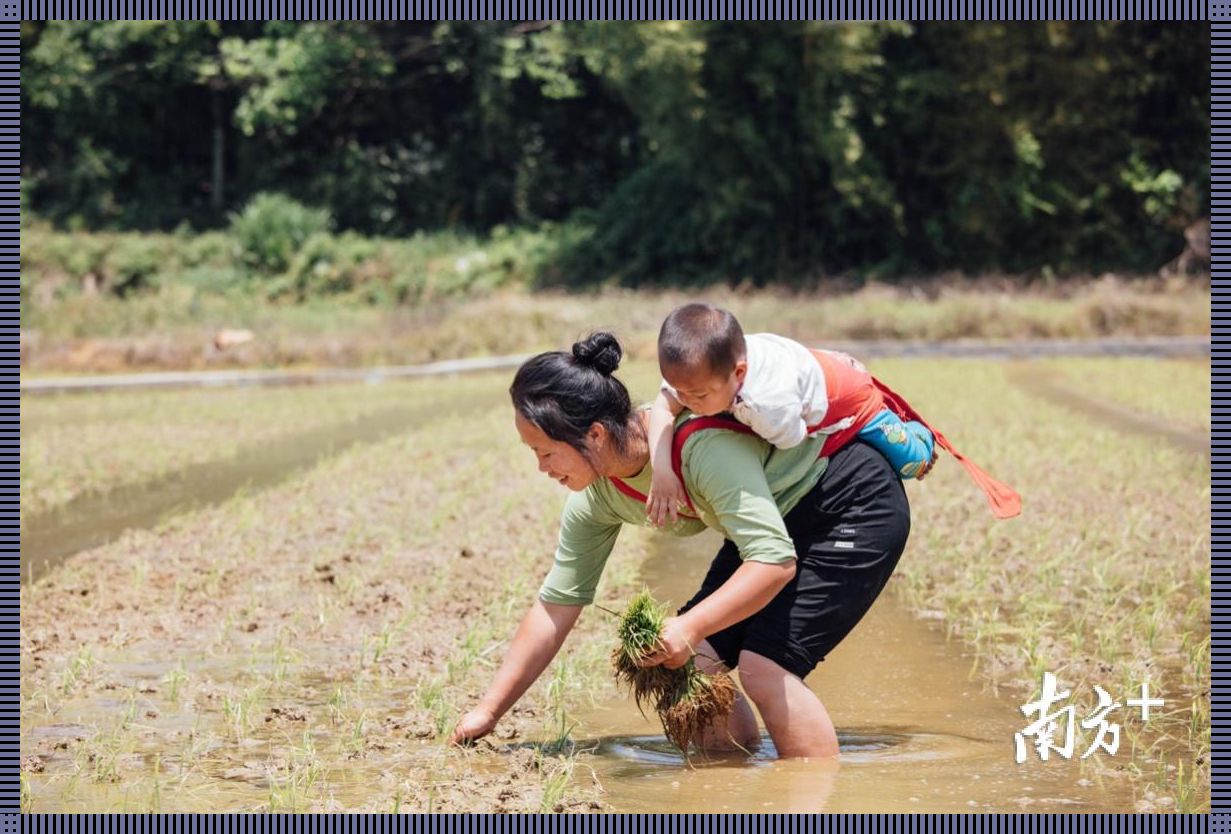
<point x="855" y="394"/>
<point x="677" y="459"/>
<point x="685" y="431"/>
<point x="852" y="399"/>
<point x="635" y="494"/>
<point x="1003" y="499"/>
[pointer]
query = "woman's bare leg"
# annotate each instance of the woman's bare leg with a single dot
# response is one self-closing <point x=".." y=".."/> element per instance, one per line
<point x="796" y="719"/>
<point x="740" y="731"/>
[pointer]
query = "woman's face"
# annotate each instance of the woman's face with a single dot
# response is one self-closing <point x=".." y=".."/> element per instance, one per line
<point x="556" y="458"/>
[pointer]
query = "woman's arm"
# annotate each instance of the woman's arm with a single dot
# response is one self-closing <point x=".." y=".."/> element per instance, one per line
<point x="748" y="590"/>
<point x="538" y="638"/>
<point x="727" y="473"/>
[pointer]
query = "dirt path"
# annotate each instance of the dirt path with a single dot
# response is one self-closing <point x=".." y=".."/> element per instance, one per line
<point x="1160" y="346"/>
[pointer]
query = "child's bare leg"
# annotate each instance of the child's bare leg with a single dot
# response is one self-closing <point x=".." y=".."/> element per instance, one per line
<point x="740" y="730"/>
<point x="796" y="719"/>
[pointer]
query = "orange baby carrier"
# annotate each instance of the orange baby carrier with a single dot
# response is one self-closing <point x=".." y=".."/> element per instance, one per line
<point x="855" y="397"/>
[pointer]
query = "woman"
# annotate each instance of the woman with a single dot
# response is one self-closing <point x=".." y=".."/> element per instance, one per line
<point x="810" y="544"/>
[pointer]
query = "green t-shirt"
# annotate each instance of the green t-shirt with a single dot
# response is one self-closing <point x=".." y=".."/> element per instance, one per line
<point x="740" y="485"/>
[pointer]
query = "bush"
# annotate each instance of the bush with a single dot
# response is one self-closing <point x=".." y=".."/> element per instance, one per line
<point x="376" y="271"/>
<point x="336" y="265"/>
<point x="74" y="255"/>
<point x="134" y="261"/>
<point x="272" y="228"/>
<point x="214" y="280"/>
<point x="207" y="249"/>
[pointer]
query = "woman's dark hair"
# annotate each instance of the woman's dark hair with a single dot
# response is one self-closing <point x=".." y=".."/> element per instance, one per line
<point x="563" y="394"/>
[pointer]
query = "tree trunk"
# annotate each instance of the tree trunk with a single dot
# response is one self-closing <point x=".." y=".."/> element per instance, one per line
<point x="216" y="198"/>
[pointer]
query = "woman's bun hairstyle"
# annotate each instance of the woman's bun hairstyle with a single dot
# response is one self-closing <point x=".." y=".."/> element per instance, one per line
<point x="560" y="393"/>
<point x="600" y="351"/>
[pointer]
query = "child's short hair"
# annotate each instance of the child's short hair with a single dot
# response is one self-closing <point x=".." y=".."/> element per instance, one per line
<point x="697" y="333"/>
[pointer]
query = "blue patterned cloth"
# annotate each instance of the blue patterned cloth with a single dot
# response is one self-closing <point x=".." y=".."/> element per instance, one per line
<point x="906" y="445"/>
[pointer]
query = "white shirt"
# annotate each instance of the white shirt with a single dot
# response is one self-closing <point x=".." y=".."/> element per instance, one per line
<point x="783" y="392"/>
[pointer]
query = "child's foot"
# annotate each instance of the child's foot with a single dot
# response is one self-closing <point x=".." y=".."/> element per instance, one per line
<point x="919" y="468"/>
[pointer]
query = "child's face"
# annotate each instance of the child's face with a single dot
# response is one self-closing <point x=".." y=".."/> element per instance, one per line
<point x="703" y="392"/>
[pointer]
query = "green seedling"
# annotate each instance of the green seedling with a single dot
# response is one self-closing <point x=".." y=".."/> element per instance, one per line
<point x="686" y="699"/>
<point x="175" y="680"/>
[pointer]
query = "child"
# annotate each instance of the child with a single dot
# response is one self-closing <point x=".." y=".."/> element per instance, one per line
<point x="784" y="392"/>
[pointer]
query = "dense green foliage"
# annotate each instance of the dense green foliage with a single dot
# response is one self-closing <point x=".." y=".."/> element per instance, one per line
<point x="651" y="153"/>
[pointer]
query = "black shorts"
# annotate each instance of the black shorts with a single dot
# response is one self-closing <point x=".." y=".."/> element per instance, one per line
<point x="849" y="533"/>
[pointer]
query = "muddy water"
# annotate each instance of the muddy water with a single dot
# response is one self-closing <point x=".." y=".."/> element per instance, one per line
<point x="917" y="732"/>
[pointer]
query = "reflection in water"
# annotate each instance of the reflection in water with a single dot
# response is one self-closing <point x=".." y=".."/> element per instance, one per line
<point x="917" y="732"/>
<point x="647" y="753"/>
<point x="664" y="779"/>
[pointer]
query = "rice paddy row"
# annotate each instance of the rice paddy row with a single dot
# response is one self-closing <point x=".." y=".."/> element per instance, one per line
<point x="75" y="445"/>
<point x="1177" y="392"/>
<point x="308" y="647"/>
<point x="1103" y="580"/>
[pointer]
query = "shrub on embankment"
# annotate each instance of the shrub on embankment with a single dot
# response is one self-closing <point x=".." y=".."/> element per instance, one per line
<point x="306" y="295"/>
<point x="277" y="250"/>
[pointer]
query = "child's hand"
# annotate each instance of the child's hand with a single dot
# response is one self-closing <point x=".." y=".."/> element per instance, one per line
<point x="666" y="495"/>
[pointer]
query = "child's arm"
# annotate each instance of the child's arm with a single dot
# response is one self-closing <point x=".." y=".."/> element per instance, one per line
<point x="666" y="493"/>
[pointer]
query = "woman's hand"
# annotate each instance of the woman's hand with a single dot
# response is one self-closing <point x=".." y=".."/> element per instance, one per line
<point x="473" y="726"/>
<point x="675" y="644"/>
<point x="666" y="495"/>
<point x="536" y="642"/>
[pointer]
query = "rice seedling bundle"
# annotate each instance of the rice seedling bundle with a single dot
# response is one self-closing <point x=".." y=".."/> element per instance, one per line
<point x="685" y="699"/>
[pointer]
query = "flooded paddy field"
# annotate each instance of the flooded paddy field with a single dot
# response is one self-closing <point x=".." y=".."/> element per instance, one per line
<point x="283" y="599"/>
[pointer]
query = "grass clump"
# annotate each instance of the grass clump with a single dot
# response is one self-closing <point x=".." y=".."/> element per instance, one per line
<point x="638" y="632"/>
<point x="686" y="699"/>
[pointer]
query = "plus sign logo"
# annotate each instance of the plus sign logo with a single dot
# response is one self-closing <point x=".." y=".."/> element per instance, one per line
<point x="1145" y="702"/>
